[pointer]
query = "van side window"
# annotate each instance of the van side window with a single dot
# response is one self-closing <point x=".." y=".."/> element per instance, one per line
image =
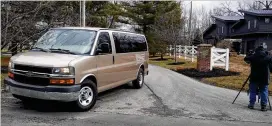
<point x="104" y="43"/>
<point x="141" y="42"/>
<point x="125" y="43"/>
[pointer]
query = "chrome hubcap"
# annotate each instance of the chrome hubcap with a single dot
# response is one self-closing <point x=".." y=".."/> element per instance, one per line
<point x="86" y="96"/>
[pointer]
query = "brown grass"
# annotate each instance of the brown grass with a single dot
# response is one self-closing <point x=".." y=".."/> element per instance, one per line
<point x="4" y="63"/>
<point x="237" y="64"/>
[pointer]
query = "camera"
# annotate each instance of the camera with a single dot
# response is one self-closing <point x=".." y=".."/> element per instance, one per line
<point x="250" y="52"/>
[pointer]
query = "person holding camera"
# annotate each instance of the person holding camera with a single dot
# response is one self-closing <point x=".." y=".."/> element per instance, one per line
<point x="260" y="63"/>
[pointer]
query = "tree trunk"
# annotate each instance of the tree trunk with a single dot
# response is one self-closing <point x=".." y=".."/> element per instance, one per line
<point x="20" y="48"/>
<point x="111" y="22"/>
<point x="144" y="29"/>
<point x="175" y="51"/>
<point x="13" y="48"/>
<point x="161" y="56"/>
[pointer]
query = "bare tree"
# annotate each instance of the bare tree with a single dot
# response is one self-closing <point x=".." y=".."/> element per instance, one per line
<point x="266" y="4"/>
<point x="168" y="28"/>
<point x="22" y="23"/>
<point x="226" y="8"/>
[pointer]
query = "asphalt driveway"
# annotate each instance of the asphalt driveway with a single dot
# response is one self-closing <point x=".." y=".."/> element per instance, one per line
<point x="168" y="98"/>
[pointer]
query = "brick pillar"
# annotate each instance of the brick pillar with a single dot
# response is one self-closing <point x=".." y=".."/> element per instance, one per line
<point x="203" y="57"/>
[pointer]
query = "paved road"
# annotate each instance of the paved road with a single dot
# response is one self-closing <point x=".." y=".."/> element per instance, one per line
<point x="168" y="98"/>
<point x="187" y="97"/>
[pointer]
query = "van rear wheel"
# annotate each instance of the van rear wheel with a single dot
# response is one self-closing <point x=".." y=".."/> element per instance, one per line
<point x="139" y="82"/>
<point x="87" y="96"/>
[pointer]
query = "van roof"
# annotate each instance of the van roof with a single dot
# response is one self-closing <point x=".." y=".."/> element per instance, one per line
<point x="87" y="28"/>
<point x="95" y="29"/>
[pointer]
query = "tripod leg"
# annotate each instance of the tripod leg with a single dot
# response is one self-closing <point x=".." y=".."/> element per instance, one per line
<point x="241" y="89"/>
<point x="269" y="103"/>
<point x="258" y="91"/>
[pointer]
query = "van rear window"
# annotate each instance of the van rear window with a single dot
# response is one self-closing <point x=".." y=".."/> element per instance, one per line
<point x="125" y="42"/>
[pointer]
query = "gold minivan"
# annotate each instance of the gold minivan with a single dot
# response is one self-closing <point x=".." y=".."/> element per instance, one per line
<point x="74" y="64"/>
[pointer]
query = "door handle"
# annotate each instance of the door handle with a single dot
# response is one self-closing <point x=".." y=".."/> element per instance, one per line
<point x="113" y="60"/>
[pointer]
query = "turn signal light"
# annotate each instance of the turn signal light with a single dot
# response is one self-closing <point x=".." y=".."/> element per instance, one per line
<point x="10" y="75"/>
<point x="62" y="81"/>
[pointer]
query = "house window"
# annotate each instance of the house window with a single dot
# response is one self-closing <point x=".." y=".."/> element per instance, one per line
<point x="248" y="25"/>
<point x="267" y="20"/>
<point x="222" y="29"/>
<point x="255" y="23"/>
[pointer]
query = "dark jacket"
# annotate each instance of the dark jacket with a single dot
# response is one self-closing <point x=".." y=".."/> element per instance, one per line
<point x="260" y="63"/>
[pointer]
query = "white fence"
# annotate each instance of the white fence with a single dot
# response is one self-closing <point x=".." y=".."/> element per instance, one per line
<point x="189" y="52"/>
<point x="219" y="57"/>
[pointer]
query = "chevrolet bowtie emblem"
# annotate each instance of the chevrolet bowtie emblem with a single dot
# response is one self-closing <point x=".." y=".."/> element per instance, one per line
<point x="29" y="73"/>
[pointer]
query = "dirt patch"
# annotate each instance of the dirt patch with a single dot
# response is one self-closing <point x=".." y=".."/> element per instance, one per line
<point x="164" y="59"/>
<point x="217" y="72"/>
<point x="178" y="63"/>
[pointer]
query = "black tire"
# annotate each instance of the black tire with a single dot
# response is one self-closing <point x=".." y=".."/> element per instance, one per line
<point x="91" y="85"/>
<point x="137" y="83"/>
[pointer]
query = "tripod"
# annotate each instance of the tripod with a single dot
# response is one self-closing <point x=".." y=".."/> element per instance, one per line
<point x="242" y="89"/>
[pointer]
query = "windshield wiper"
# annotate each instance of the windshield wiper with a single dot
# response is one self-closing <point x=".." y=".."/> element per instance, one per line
<point x="41" y="49"/>
<point x="61" y="50"/>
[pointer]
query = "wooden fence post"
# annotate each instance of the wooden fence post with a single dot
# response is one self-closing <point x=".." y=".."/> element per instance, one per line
<point x="192" y="51"/>
<point x="185" y="51"/>
<point x="211" y="62"/>
<point x="170" y="50"/>
<point x="179" y="50"/>
<point x="227" y="60"/>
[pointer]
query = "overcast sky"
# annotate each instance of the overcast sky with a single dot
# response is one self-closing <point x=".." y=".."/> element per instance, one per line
<point x="210" y="4"/>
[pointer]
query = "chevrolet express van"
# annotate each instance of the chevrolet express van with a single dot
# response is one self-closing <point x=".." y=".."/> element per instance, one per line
<point x="74" y="64"/>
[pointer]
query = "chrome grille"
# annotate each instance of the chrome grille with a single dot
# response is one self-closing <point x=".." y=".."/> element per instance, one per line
<point x="33" y="68"/>
<point x="31" y="80"/>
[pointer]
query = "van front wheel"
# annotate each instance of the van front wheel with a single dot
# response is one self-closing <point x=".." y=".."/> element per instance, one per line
<point x="139" y="82"/>
<point x="87" y="96"/>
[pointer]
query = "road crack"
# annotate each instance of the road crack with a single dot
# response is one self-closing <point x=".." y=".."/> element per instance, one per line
<point x="162" y="109"/>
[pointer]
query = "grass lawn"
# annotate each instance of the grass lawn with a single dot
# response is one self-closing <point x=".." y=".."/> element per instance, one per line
<point x="3" y="76"/>
<point x="168" y="61"/>
<point x="233" y="79"/>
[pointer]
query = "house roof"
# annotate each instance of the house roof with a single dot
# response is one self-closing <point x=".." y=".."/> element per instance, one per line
<point x="238" y="23"/>
<point x="228" y="18"/>
<point x="210" y="28"/>
<point x="257" y="12"/>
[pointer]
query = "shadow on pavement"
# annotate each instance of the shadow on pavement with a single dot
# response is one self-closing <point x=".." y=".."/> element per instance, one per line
<point x="56" y="106"/>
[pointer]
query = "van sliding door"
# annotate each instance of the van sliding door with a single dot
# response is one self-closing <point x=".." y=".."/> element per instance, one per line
<point x="105" y="65"/>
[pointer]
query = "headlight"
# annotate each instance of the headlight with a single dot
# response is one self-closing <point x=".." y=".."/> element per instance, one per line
<point x="64" y="70"/>
<point x="10" y="65"/>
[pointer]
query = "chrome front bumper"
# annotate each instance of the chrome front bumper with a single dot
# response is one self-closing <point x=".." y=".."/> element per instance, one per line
<point x="59" y="93"/>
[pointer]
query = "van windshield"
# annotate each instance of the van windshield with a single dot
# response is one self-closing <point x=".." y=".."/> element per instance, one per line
<point x="73" y="41"/>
